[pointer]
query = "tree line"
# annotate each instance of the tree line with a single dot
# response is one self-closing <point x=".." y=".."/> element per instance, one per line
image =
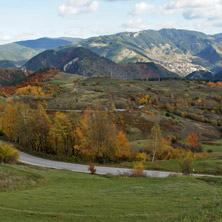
<point x="94" y="136"/>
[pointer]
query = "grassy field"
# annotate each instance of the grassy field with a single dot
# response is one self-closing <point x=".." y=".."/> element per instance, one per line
<point x="209" y="165"/>
<point x="53" y="195"/>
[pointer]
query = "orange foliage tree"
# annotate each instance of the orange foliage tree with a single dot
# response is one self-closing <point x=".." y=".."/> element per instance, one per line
<point x="192" y="142"/>
<point x="99" y="138"/>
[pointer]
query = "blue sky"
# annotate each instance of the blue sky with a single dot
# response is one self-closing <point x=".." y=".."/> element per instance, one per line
<point x="31" y="19"/>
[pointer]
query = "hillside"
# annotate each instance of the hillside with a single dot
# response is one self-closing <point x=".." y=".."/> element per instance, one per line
<point x="200" y="75"/>
<point x="21" y="52"/>
<point x="6" y="64"/>
<point x="11" y="76"/>
<point x="218" y="76"/>
<point x="205" y="75"/>
<point x="166" y="45"/>
<point x="86" y="63"/>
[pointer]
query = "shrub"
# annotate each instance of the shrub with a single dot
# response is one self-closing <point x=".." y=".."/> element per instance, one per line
<point x="138" y="168"/>
<point x="8" y="154"/>
<point x="99" y="89"/>
<point x="92" y="169"/>
<point x="186" y="164"/>
<point x="210" y="151"/>
<point x="141" y="157"/>
<point x="201" y="155"/>
<point x="167" y="114"/>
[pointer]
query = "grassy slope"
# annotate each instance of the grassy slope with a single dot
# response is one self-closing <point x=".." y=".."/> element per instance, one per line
<point x="68" y="196"/>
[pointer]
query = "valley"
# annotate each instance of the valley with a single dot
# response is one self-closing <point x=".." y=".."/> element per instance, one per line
<point x="122" y="110"/>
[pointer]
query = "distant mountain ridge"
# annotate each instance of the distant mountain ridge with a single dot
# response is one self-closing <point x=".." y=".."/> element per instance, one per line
<point x="180" y="51"/>
<point x="205" y="75"/>
<point x="20" y="52"/>
<point x="6" y="64"/>
<point x="166" y="45"/>
<point x="81" y="61"/>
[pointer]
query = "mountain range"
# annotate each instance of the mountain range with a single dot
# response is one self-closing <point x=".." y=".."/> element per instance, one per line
<point x="177" y="47"/>
<point x="20" y="52"/>
<point x="179" y="51"/>
<point x="79" y="60"/>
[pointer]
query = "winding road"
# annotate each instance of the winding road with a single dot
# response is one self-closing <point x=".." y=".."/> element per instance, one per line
<point x="36" y="161"/>
<point x="28" y="159"/>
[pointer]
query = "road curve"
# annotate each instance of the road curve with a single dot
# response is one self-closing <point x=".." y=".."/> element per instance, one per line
<point x="26" y="158"/>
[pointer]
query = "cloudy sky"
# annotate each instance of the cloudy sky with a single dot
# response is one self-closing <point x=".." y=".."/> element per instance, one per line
<point x="31" y="19"/>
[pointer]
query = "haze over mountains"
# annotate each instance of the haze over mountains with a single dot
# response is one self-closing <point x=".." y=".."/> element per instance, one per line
<point x="180" y="51"/>
<point x="20" y="52"/>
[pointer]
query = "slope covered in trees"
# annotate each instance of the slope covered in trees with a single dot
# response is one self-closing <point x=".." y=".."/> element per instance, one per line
<point x="81" y="61"/>
<point x="166" y="45"/>
<point x="11" y="76"/>
<point x="6" y="64"/>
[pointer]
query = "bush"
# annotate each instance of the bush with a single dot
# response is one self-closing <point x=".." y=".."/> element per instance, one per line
<point x="210" y="151"/>
<point x="138" y="168"/>
<point x="186" y="165"/>
<point x="92" y="169"/>
<point x="167" y="114"/>
<point x="8" y="154"/>
<point x="141" y="157"/>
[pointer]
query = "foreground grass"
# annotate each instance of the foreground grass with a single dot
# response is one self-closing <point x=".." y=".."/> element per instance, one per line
<point x="68" y="196"/>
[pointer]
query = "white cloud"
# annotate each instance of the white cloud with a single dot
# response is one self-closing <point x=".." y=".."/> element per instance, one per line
<point x="74" y="7"/>
<point x="135" y="25"/>
<point x="194" y="9"/>
<point x="5" y="38"/>
<point x="141" y="8"/>
<point x="18" y="36"/>
<point x="105" y="30"/>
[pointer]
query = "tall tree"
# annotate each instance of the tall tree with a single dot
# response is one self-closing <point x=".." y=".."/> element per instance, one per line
<point x="62" y="132"/>
<point x="41" y="124"/>
<point x="156" y="137"/>
<point x="9" y="119"/>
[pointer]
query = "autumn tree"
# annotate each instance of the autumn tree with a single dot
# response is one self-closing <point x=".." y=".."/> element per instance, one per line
<point x="62" y="133"/>
<point x="41" y="125"/>
<point x="192" y="142"/>
<point x="9" y="119"/>
<point x="99" y="138"/>
<point x="156" y="137"/>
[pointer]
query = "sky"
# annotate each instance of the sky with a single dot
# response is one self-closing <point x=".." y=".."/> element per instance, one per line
<point x="32" y="19"/>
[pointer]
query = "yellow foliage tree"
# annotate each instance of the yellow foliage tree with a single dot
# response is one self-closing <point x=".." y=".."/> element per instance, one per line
<point x="98" y="137"/>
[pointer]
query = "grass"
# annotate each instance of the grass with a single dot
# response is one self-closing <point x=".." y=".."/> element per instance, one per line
<point x="68" y="196"/>
<point x="3" y="102"/>
<point x="13" y="178"/>
<point x="138" y="144"/>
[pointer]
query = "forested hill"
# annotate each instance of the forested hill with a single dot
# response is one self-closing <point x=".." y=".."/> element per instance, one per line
<point x="166" y="46"/>
<point x="82" y="61"/>
<point x="11" y="76"/>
